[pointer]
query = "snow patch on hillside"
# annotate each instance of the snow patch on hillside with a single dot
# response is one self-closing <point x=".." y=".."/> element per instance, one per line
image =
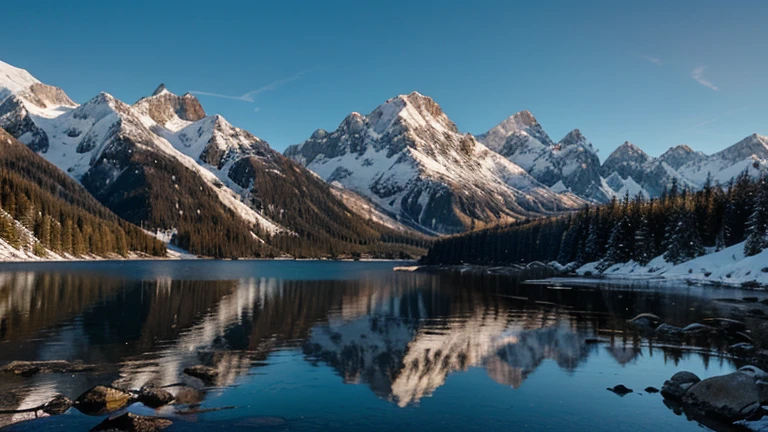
<point x="726" y="267"/>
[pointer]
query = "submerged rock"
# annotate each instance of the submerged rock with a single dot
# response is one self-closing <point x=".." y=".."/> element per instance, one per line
<point x="651" y="390"/>
<point x="27" y="368"/>
<point x="100" y="400"/>
<point x="620" y="390"/>
<point x="58" y="405"/>
<point x="734" y="396"/>
<point x="205" y="373"/>
<point x="155" y="397"/>
<point x="186" y="395"/>
<point x="675" y="387"/>
<point x="129" y="422"/>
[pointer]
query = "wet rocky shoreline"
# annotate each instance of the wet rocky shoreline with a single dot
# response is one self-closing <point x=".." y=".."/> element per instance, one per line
<point x="113" y="399"/>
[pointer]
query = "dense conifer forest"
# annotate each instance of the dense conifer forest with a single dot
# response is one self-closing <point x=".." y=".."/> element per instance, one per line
<point x="680" y="225"/>
<point x="43" y="208"/>
<point x="40" y="201"/>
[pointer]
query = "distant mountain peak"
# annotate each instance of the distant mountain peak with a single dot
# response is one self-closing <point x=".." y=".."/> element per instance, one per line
<point x="171" y="110"/>
<point x="525" y="117"/>
<point x="159" y="90"/>
<point x="575" y="137"/>
<point x="14" y="80"/>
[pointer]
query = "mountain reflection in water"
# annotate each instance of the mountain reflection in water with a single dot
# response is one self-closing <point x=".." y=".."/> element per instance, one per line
<point x="400" y="334"/>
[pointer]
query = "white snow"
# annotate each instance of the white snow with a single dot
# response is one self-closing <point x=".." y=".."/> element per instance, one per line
<point x="431" y="155"/>
<point x="726" y="267"/>
<point x="101" y="119"/>
<point x="13" y="80"/>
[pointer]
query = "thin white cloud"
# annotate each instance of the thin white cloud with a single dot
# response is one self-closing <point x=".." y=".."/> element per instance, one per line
<point x="697" y="127"/>
<point x="651" y="59"/>
<point x="251" y="95"/>
<point x="698" y="75"/>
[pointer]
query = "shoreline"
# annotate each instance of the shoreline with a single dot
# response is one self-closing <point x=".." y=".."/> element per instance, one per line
<point x="560" y="276"/>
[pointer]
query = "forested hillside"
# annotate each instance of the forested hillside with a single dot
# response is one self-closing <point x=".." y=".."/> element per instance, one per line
<point x="680" y="225"/>
<point x="44" y="209"/>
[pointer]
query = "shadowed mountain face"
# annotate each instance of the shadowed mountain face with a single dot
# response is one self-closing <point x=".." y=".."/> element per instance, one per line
<point x="402" y="335"/>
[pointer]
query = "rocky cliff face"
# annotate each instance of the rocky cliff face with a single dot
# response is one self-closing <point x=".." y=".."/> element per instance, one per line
<point x="163" y="164"/>
<point x="410" y="160"/>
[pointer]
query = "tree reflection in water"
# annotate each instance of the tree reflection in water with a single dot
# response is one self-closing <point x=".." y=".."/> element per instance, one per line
<point x="401" y="334"/>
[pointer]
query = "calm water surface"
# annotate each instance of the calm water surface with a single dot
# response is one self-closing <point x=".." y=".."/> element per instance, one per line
<point x="349" y="346"/>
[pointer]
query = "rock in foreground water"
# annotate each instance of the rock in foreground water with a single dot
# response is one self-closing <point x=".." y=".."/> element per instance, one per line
<point x="732" y="397"/>
<point x="101" y="400"/>
<point x="129" y="422"/>
<point x="675" y="387"/>
<point x="205" y="373"/>
<point x="155" y="397"/>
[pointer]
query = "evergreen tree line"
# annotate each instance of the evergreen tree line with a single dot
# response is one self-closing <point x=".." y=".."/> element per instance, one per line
<point x="39" y="201"/>
<point x="35" y="220"/>
<point x="678" y="225"/>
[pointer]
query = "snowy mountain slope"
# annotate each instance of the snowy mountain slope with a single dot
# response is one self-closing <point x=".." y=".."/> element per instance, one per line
<point x="570" y="165"/>
<point x="164" y="164"/>
<point x="749" y="154"/>
<point x="24" y="101"/>
<point x="680" y="155"/>
<point x="411" y="161"/>
<point x="627" y="160"/>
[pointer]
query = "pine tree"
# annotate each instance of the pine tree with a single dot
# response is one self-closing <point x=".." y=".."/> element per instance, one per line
<point x="644" y="244"/>
<point x="682" y="241"/>
<point x="620" y="247"/>
<point x="757" y="231"/>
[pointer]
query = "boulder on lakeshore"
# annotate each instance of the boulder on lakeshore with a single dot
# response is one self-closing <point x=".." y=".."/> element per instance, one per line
<point x="675" y="387"/>
<point x="732" y="397"/>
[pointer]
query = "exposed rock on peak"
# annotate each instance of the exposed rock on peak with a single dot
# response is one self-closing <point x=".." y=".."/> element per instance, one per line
<point x="170" y="110"/>
<point x="680" y="155"/>
<point x="159" y="90"/>
<point x="519" y="130"/>
<point x="627" y="160"/>
<point x="411" y="161"/>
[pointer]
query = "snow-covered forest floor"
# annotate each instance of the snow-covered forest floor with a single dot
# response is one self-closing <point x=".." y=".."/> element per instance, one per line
<point x="725" y="267"/>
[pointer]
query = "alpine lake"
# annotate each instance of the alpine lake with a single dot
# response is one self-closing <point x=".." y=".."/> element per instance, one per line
<point x="348" y="346"/>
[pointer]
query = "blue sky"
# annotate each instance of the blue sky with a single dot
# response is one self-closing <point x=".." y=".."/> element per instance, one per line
<point x="654" y="73"/>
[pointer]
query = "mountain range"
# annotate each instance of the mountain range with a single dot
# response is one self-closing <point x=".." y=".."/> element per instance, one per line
<point x="408" y="150"/>
<point x="380" y="183"/>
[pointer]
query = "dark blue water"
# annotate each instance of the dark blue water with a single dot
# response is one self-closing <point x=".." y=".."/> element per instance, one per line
<point x="349" y="346"/>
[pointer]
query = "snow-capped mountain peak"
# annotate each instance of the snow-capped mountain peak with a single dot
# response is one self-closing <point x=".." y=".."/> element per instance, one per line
<point x="575" y="138"/>
<point x="680" y="155"/>
<point x="412" y="162"/>
<point x="519" y="129"/>
<point x="628" y="160"/>
<point x="14" y="80"/>
<point x="160" y="90"/>
<point x="752" y="146"/>
<point x="169" y="110"/>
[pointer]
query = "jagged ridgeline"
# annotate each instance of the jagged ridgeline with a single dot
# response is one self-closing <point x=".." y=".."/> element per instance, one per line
<point x="678" y="225"/>
<point x="44" y="210"/>
<point x="214" y="189"/>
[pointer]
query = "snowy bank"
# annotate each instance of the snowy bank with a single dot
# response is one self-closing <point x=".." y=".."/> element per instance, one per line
<point x="726" y="267"/>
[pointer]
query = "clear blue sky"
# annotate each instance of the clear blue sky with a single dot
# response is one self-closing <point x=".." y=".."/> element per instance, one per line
<point x="654" y="73"/>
